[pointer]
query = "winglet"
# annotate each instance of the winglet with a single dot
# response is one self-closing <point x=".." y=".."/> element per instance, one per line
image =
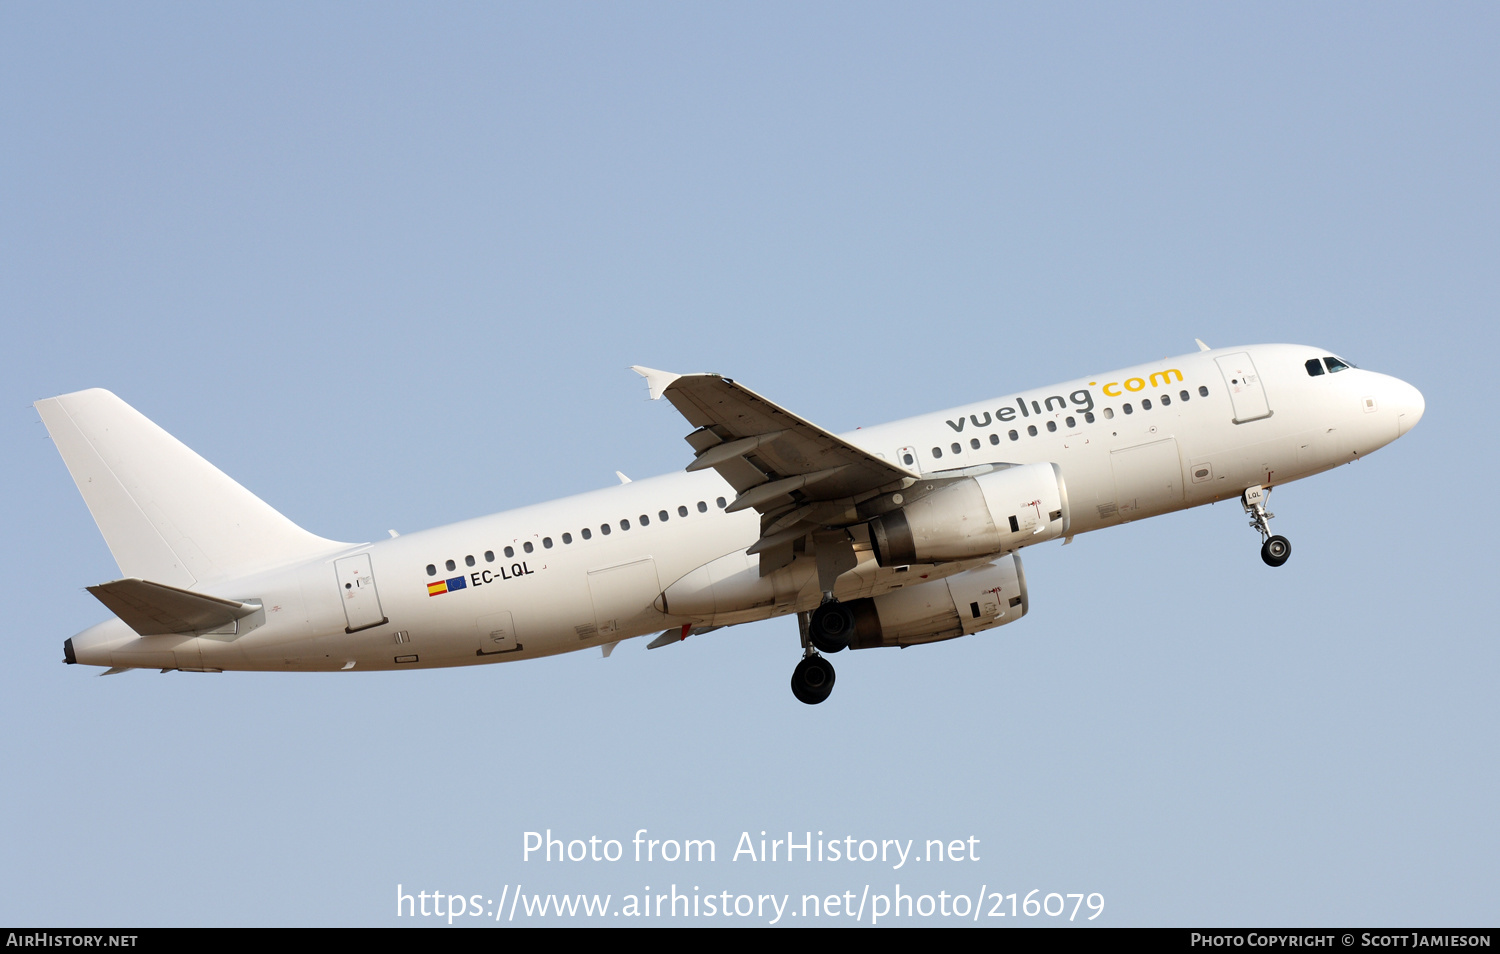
<point x="1201" y="345"/>
<point x="656" y="381"/>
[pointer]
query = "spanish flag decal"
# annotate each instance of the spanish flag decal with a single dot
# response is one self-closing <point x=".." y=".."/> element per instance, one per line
<point x="446" y="586"/>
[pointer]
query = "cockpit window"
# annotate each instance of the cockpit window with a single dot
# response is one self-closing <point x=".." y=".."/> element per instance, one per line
<point x="1334" y="364"/>
<point x="1314" y="367"/>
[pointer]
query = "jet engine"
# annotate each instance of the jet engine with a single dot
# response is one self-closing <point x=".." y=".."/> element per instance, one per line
<point x="974" y="516"/>
<point x="981" y="598"/>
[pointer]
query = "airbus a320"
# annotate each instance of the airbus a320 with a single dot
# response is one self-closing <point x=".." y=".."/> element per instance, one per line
<point x="895" y="535"/>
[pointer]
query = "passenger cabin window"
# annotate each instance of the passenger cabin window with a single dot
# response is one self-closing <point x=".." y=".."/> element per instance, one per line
<point x="702" y="507"/>
<point x="1166" y="399"/>
<point x="624" y="524"/>
<point x="527" y="546"/>
<point x="974" y="443"/>
<point x="662" y="516"/>
<point x="994" y="438"/>
<point x="1202" y="391"/>
<point x="431" y="570"/>
<point x="604" y="529"/>
<point x="1031" y="429"/>
<point x="1314" y="367"/>
<point x="567" y="538"/>
<point x="682" y="511"/>
<point x="1072" y="423"/>
<point x="645" y="520"/>
<point x="1014" y="436"/>
<point x="1183" y="395"/>
<point x="1128" y="409"/>
<point x="1088" y="416"/>
<point x="489" y="556"/>
<point x="722" y="503"/>
<point x="451" y="565"/>
<point x="587" y="533"/>
<point x="1052" y="427"/>
<point x="510" y="552"/>
<point x="1145" y="404"/>
<point x="937" y="452"/>
<point x="469" y="560"/>
<point x="957" y="447"/>
<point x="908" y="459"/>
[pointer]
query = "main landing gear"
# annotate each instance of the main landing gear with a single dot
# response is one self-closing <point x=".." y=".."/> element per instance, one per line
<point x="1274" y="550"/>
<point x="831" y="626"/>
<point x="812" y="680"/>
<point x="826" y="629"/>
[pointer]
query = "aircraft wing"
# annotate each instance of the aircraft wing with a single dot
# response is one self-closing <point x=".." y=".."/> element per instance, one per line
<point x="798" y="476"/>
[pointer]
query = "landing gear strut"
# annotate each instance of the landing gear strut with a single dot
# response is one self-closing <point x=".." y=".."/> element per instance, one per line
<point x="1274" y="550"/>
<point x="828" y="628"/>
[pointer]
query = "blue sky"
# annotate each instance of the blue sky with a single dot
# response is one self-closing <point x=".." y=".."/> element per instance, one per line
<point x="386" y="265"/>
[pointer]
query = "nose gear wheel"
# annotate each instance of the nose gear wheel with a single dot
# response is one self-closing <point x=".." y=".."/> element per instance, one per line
<point x="1274" y="550"/>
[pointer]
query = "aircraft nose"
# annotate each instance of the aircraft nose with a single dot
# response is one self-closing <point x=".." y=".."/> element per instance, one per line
<point x="1409" y="406"/>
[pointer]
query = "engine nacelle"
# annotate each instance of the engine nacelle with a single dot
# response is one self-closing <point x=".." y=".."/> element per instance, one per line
<point x="981" y="598"/>
<point x="993" y="513"/>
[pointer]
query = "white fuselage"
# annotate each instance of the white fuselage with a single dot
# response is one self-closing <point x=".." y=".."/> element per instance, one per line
<point x="548" y="578"/>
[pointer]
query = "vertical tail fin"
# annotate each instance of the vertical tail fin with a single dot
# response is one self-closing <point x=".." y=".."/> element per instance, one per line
<point x="167" y="514"/>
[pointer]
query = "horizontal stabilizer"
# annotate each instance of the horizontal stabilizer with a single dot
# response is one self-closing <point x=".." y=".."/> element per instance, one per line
<point x="154" y="609"/>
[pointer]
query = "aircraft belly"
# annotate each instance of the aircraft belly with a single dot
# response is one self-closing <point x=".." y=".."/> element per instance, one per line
<point x="730" y="590"/>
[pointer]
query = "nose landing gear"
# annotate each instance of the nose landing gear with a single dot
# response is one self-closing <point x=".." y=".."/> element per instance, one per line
<point x="1274" y="550"/>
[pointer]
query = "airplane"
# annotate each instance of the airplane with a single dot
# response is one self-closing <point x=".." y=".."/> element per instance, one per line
<point x="895" y="535"/>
